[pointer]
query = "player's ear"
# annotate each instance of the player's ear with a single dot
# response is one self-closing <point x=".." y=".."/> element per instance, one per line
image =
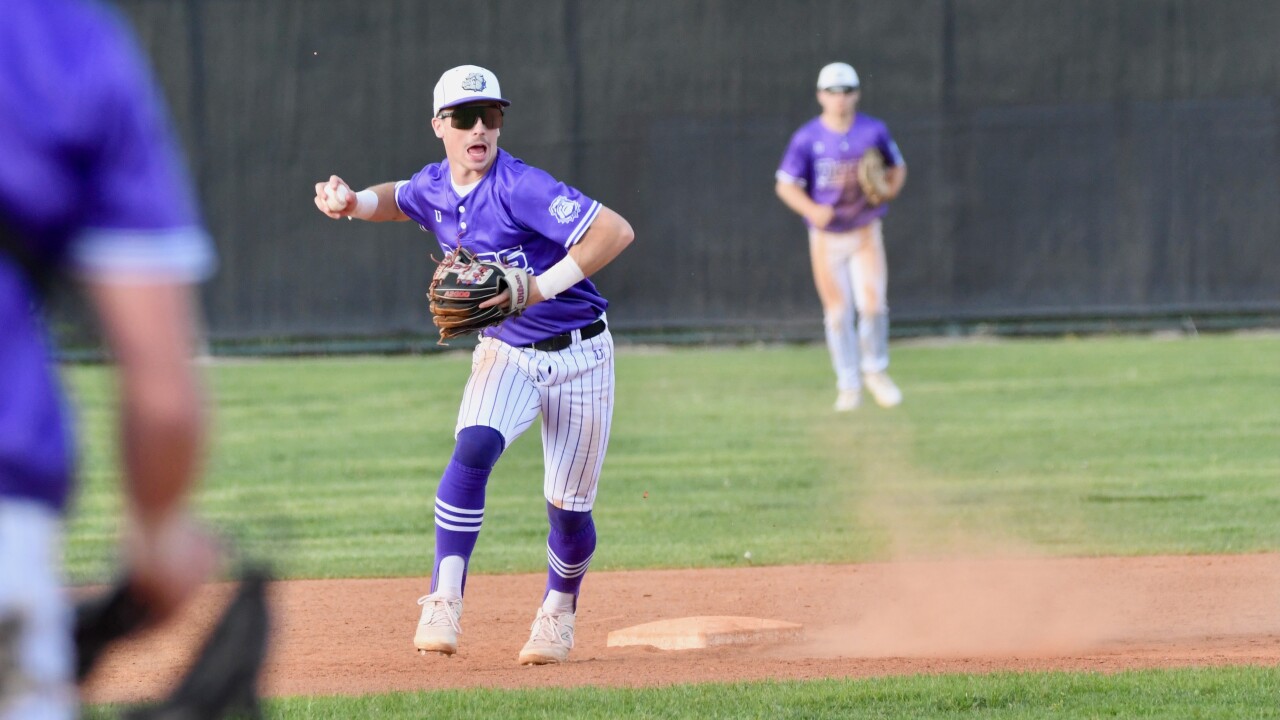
<point x="437" y="125"/>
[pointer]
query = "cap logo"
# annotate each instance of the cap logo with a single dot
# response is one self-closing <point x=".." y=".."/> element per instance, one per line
<point x="564" y="210"/>
<point x="474" y="82"/>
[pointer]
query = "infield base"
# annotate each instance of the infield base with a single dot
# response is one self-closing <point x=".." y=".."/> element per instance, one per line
<point x="705" y="631"/>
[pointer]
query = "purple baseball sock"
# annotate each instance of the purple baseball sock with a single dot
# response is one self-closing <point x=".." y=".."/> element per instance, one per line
<point x="459" y="508"/>
<point x="570" y="545"/>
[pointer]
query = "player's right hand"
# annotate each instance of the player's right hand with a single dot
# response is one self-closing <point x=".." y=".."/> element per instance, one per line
<point x="169" y="559"/>
<point x="821" y="216"/>
<point x="335" y="198"/>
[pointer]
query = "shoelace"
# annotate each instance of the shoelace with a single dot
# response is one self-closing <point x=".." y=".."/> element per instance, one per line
<point x="548" y="628"/>
<point x="443" y="612"/>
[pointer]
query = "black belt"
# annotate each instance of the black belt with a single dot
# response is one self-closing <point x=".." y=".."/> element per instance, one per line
<point x="557" y="343"/>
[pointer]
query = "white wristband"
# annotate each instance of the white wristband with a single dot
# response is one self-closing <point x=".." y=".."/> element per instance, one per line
<point x="366" y="204"/>
<point x="559" y="277"/>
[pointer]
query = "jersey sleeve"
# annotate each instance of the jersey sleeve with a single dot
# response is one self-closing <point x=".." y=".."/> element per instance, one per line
<point x="409" y="198"/>
<point x="140" y="217"/>
<point x="556" y="211"/>
<point x="796" y="166"/>
<point x="888" y="148"/>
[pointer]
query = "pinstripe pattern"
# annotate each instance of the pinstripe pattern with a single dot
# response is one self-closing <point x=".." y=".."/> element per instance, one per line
<point x="572" y="389"/>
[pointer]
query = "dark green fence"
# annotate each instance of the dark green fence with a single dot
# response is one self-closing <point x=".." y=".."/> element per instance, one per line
<point x="1076" y="162"/>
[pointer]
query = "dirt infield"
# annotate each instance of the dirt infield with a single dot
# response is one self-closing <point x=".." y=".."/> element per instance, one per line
<point x="355" y="636"/>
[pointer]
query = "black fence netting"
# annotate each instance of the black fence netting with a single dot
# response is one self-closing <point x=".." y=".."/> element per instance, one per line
<point x="1069" y="160"/>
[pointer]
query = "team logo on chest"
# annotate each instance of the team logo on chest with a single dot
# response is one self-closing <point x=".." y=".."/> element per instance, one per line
<point x="564" y="210"/>
<point x="473" y="82"/>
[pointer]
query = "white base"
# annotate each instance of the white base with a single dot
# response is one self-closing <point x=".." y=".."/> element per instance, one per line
<point x="706" y="631"/>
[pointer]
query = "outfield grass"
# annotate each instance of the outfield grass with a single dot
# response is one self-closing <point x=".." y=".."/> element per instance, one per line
<point x="1118" y="446"/>
<point x="1197" y="693"/>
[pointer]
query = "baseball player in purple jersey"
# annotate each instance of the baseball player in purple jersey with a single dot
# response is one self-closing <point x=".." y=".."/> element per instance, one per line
<point x="817" y="179"/>
<point x="91" y="187"/>
<point x="554" y="360"/>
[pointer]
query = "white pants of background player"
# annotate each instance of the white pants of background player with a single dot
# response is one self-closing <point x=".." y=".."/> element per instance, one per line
<point x="35" y="620"/>
<point x="852" y="278"/>
<point x="573" y="391"/>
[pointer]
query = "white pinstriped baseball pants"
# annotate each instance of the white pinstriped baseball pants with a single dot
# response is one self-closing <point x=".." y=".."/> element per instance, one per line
<point x="852" y="278"/>
<point x="573" y="391"/>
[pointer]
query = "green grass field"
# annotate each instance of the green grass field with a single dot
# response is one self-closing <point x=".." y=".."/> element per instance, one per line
<point x="1229" y="693"/>
<point x="1116" y="446"/>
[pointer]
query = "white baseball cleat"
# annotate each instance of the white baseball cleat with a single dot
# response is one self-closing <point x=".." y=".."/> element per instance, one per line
<point x="848" y="400"/>
<point x="550" y="639"/>
<point x="439" y="625"/>
<point x="882" y="389"/>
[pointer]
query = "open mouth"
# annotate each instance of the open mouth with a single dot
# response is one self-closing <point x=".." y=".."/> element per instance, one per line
<point x="477" y="151"/>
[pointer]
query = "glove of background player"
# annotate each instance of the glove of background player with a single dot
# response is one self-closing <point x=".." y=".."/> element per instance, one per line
<point x="871" y="177"/>
<point x="462" y="282"/>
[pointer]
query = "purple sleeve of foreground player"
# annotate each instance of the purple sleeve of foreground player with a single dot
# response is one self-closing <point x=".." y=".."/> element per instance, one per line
<point x="92" y="181"/>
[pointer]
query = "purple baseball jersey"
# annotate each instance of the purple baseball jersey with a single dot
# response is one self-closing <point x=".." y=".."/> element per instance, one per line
<point x="91" y="183"/>
<point x="825" y="162"/>
<point x="518" y="215"/>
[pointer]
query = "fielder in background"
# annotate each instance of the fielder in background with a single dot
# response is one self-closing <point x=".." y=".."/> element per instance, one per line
<point x="818" y="179"/>
<point x="554" y="359"/>
<point x="91" y="188"/>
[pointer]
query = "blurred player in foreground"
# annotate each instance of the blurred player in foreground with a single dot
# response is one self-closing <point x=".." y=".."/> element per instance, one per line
<point x="91" y="189"/>
<point x="818" y="180"/>
<point x="554" y="359"/>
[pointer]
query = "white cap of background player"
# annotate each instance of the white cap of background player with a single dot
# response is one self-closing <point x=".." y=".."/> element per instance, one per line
<point x="837" y="75"/>
<point x="464" y="84"/>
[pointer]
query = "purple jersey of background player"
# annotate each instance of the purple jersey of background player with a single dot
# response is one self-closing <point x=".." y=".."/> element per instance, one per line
<point x="93" y="197"/>
<point x="825" y="162"/>
<point x="518" y="215"/>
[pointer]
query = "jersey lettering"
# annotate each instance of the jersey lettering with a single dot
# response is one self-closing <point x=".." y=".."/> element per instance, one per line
<point x="511" y="257"/>
<point x="830" y="173"/>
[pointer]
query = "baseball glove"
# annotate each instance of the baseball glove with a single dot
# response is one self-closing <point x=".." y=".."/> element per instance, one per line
<point x="222" y="681"/>
<point x="871" y="177"/>
<point x="462" y="282"/>
<point x="102" y="620"/>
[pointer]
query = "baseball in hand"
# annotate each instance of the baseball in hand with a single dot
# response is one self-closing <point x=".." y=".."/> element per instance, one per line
<point x="337" y="199"/>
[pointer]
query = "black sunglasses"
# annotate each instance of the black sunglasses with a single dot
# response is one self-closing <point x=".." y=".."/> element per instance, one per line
<point x="464" y="118"/>
<point x="842" y="90"/>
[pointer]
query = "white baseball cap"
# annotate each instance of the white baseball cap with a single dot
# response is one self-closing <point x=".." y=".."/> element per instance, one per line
<point x="837" y="75"/>
<point x="464" y="84"/>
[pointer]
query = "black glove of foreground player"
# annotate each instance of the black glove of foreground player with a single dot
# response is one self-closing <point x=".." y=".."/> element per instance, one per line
<point x="222" y="682"/>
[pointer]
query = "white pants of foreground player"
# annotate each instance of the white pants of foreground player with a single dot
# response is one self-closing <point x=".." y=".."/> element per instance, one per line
<point x="852" y="278"/>
<point x="573" y="391"/>
<point x="35" y="621"/>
